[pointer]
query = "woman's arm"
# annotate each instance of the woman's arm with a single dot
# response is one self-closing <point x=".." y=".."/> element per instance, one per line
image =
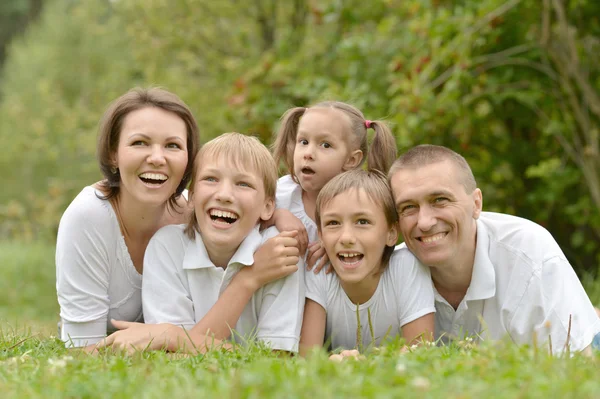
<point x="82" y="271"/>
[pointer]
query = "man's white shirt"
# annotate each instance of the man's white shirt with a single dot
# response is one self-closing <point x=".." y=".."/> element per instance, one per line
<point x="522" y="287"/>
<point x="181" y="284"/>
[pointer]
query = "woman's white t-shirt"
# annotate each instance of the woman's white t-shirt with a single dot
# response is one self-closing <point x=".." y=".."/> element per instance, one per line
<point x="95" y="277"/>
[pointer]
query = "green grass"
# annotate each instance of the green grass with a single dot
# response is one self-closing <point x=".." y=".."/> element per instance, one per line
<point x="34" y="364"/>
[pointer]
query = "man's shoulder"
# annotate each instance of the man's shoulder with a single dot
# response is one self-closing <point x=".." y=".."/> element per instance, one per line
<point x="509" y="228"/>
<point x="519" y="236"/>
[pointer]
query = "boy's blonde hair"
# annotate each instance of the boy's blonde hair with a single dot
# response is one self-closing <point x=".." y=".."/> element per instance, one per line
<point x="246" y="153"/>
<point x="379" y="155"/>
<point x="374" y="183"/>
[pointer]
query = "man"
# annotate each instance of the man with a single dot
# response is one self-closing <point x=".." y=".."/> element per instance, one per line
<point x="494" y="275"/>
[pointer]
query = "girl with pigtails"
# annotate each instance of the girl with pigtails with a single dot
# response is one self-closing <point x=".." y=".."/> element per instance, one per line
<point x="317" y="143"/>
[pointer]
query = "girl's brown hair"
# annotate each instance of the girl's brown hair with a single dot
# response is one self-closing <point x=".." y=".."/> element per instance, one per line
<point x="379" y="155"/>
<point x="110" y="130"/>
<point x="374" y="183"/>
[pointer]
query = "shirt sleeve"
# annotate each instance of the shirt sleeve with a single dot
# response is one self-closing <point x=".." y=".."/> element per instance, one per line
<point x="316" y="287"/>
<point x="283" y="194"/>
<point x="165" y="290"/>
<point x="553" y="296"/>
<point x="281" y="310"/>
<point x="84" y="243"/>
<point x="414" y="288"/>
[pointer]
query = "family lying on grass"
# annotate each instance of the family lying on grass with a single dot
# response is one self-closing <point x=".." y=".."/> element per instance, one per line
<point x="224" y="262"/>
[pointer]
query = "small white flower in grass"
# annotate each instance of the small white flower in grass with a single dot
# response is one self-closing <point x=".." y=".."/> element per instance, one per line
<point x="400" y="368"/>
<point x="56" y="364"/>
<point x="421" y="383"/>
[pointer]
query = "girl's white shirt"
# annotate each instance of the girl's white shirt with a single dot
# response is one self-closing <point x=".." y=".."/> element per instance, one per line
<point x="289" y="196"/>
<point x="95" y="277"/>
<point x="404" y="293"/>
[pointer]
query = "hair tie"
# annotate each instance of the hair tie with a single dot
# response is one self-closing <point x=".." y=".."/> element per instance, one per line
<point x="368" y="123"/>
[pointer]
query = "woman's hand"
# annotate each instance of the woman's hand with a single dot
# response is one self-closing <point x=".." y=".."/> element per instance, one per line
<point x="135" y="337"/>
<point x="317" y="258"/>
<point x="278" y="257"/>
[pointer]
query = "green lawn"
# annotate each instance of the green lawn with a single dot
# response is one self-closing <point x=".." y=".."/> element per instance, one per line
<point x="35" y="364"/>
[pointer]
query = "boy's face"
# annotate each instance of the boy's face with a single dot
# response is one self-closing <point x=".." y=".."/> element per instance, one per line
<point x="355" y="235"/>
<point x="228" y="202"/>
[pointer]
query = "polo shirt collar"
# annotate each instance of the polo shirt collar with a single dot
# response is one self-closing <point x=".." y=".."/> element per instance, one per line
<point x="196" y="255"/>
<point x="483" y="279"/>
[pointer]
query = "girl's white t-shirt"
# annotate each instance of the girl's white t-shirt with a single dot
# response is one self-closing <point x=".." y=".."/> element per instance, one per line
<point x="289" y="196"/>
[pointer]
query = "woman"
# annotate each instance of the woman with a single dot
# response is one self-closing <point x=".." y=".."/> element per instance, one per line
<point x="147" y="141"/>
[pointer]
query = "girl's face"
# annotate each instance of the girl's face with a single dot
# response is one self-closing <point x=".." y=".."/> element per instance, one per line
<point x="355" y="232"/>
<point x="323" y="148"/>
<point x="152" y="155"/>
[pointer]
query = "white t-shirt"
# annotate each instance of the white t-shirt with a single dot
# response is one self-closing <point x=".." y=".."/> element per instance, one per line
<point x="289" y="196"/>
<point x="522" y="285"/>
<point x="404" y="294"/>
<point x="95" y="277"/>
<point x="181" y="284"/>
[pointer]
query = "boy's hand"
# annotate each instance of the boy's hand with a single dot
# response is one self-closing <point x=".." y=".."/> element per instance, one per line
<point x="317" y="258"/>
<point x="286" y="221"/>
<point x="277" y="258"/>
<point x="351" y="353"/>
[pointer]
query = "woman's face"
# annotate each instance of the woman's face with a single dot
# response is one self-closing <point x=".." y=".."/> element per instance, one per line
<point x="152" y="155"/>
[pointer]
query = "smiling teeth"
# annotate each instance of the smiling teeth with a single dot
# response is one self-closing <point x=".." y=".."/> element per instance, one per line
<point x="223" y="214"/>
<point x="153" y="176"/>
<point x="433" y="238"/>
<point x="350" y="255"/>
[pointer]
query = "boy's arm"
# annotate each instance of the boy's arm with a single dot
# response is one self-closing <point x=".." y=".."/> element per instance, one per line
<point x="284" y="220"/>
<point x="313" y="327"/>
<point x="419" y="330"/>
<point x="275" y="259"/>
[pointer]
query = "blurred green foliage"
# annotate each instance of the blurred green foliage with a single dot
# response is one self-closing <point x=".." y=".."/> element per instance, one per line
<point x="487" y="78"/>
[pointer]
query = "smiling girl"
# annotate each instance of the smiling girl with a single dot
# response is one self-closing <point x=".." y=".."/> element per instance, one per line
<point x="383" y="288"/>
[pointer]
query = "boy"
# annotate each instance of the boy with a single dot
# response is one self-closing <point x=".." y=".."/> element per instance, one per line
<point x="189" y="270"/>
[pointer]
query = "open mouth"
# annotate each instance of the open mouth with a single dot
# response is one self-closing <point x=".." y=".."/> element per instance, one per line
<point x="433" y="238"/>
<point x="350" y="258"/>
<point x="223" y="217"/>
<point x="153" y="178"/>
<point x="307" y="171"/>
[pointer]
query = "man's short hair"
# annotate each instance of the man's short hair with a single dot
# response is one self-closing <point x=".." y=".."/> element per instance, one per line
<point x="427" y="154"/>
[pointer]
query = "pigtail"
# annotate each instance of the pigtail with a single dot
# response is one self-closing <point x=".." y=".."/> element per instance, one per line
<point x="383" y="149"/>
<point x="285" y="138"/>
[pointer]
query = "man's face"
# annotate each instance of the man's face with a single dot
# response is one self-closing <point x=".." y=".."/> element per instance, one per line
<point x="437" y="215"/>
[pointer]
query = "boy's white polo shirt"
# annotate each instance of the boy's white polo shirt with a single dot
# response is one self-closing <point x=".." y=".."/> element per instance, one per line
<point x="181" y="284"/>
<point x="522" y="286"/>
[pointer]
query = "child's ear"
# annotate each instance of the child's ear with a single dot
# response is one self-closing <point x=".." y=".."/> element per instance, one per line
<point x="353" y="160"/>
<point x="392" y="237"/>
<point x="268" y="209"/>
